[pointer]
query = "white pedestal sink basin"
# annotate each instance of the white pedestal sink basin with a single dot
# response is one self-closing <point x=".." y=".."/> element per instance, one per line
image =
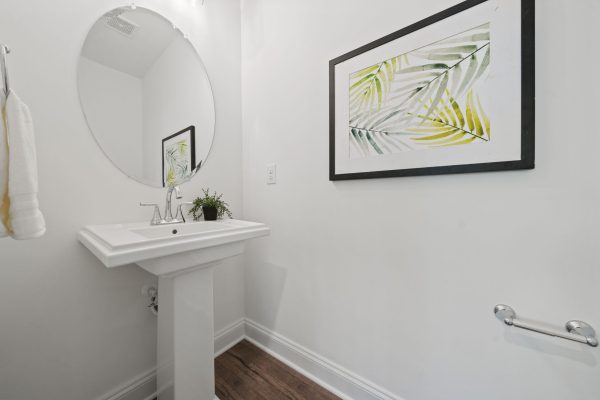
<point x="184" y="257"/>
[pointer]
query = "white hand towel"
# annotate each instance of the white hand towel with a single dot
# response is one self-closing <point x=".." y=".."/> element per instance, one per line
<point x="4" y="203"/>
<point x="25" y="219"/>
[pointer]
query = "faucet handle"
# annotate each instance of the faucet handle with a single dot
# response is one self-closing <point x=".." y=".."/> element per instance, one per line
<point x="156" y="218"/>
<point x="179" y="215"/>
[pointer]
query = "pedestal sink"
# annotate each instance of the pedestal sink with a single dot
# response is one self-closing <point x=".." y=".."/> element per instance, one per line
<point x="184" y="257"/>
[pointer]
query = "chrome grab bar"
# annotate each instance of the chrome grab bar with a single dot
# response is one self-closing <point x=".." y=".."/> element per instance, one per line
<point x="577" y="331"/>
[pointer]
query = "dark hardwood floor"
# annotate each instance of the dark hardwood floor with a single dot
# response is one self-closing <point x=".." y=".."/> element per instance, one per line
<point x="245" y="372"/>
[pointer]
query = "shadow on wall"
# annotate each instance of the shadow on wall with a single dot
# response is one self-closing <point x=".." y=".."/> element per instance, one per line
<point x="541" y="344"/>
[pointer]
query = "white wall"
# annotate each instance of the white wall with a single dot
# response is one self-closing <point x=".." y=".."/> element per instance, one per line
<point x="119" y="95"/>
<point x="396" y="279"/>
<point x="71" y="329"/>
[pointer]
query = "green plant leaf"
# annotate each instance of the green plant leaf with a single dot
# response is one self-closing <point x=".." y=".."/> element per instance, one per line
<point x="476" y="120"/>
<point x="372" y="84"/>
<point x="440" y="92"/>
<point x="470" y="38"/>
<point x="457" y="112"/>
<point x="456" y="78"/>
<point x="380" y="142"/>
<point x="423" y="68"/>
<point x="485" y="63"/>
<point x="182" y="147"/>
<point x="170" y="177"/>
<point x="486" y="120"/>
<point x="379" y="92"/>
<point x="373" y="143"/>
<point x="469" y="74"/>
<point x="440" y="135"/>
<point x="209" y="200"/>
<point x="365" y="72"/>
<point x="442" y="131"/>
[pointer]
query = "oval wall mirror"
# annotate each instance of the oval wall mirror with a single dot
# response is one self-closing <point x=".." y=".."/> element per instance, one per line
<point x="146" y="96"/>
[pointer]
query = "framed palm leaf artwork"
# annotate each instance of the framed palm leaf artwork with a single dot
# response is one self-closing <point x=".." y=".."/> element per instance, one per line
<point x="452" y="93"/>
<point x="179" y="156"/>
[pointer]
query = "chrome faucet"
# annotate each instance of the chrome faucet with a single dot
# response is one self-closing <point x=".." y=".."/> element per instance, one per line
<point x="157" y="219"/>
<point x="168" y="211"/>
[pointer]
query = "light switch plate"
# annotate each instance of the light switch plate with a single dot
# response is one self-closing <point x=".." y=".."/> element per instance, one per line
<point x="271" y="174"/>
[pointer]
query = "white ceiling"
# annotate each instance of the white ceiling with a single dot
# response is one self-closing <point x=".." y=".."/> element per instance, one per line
<point x="134" y="54"/>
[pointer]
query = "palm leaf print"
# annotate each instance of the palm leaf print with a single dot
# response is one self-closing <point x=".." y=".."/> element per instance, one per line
<point x="371" y="85"/>
<point x="451" y="125"/>
<point x="182" y="146"/>
<point x="177" y="162"/>
<point x="171" y="177"/>
<point x="396" y="104"/>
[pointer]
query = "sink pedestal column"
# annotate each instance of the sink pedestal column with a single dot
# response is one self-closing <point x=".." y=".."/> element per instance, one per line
<point x="185" y="343"/>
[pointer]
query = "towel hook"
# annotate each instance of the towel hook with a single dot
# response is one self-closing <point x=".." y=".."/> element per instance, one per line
<point x="4" y="51"/>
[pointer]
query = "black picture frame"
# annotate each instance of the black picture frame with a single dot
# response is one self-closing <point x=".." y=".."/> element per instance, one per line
<point x="527" y="160"/>
<point x="192" y="132"/>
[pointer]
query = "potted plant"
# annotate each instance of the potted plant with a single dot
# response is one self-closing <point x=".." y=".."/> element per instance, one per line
<point x="211" y="206"/>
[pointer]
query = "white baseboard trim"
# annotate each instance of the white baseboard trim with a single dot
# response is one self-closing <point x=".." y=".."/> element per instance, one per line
<point x="333" y="377"/>
<point x="141" y="387"/>
<point x="229" y="336"/>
